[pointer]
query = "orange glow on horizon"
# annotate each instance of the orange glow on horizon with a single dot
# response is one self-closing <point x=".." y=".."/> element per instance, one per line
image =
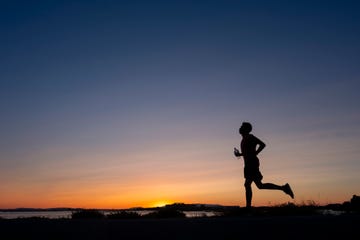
<point x="161" y="203"/>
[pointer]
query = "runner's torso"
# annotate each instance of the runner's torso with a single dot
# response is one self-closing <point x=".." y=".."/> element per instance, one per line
<point x="248" y="149"/>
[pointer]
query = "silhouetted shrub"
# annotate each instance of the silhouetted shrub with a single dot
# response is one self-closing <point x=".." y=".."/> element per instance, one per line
<point x="166" y="213"/>
<point x="355" y="203"/>
<point x="123" y="215"/>
<point x="292" y="209"/>
<point x="87" y="214"/>
<point x="287" y="209"/>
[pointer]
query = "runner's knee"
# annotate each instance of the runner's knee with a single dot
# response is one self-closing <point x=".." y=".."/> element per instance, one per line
<point x="247" y="184"/>
<point x="259" y="184"/>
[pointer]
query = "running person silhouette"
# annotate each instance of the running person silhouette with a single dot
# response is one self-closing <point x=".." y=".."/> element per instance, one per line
<point x="250" y="147"/>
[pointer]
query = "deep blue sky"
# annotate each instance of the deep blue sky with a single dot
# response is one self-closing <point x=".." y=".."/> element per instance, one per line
<point x="116" y="78"/>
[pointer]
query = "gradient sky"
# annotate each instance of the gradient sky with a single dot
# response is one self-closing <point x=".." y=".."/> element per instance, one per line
<point x="116" y="104"/>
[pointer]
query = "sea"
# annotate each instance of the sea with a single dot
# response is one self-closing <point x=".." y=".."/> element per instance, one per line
<point x="67" y="214"/>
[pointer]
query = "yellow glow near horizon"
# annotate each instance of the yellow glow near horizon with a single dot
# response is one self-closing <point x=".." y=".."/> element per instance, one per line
<point x="161" y="203"/>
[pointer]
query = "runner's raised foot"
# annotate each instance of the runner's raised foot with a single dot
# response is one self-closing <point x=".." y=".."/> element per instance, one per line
<point x="288" y="191"/>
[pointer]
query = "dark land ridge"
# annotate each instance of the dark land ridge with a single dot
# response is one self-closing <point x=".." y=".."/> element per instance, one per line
<point x="286" y="221"/>
<point x="284" y="209"/>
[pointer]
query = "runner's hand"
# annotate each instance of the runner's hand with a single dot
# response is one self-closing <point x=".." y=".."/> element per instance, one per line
<point x="236" y="152"/>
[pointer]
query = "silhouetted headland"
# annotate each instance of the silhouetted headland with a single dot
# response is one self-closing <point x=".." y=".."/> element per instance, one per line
<point x="175" y="210"/>
<point x="286" y="221"/>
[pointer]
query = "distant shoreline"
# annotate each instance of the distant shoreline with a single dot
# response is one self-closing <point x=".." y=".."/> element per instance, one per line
<point x="182" y="210"/>
<point x="172" y="211"/>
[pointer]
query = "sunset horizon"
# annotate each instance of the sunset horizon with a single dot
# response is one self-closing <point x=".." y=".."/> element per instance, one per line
<point x="121" y="104"/>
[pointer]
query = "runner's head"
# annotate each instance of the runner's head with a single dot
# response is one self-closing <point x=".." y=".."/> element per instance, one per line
<point x="245" y="128"/>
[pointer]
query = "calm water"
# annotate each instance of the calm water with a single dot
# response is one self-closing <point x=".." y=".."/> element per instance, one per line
<point x="67" y="214"/>
<point x="46" y="214"/>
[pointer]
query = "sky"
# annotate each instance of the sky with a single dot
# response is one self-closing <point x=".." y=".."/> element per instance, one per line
<point x="118" y="104"/>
